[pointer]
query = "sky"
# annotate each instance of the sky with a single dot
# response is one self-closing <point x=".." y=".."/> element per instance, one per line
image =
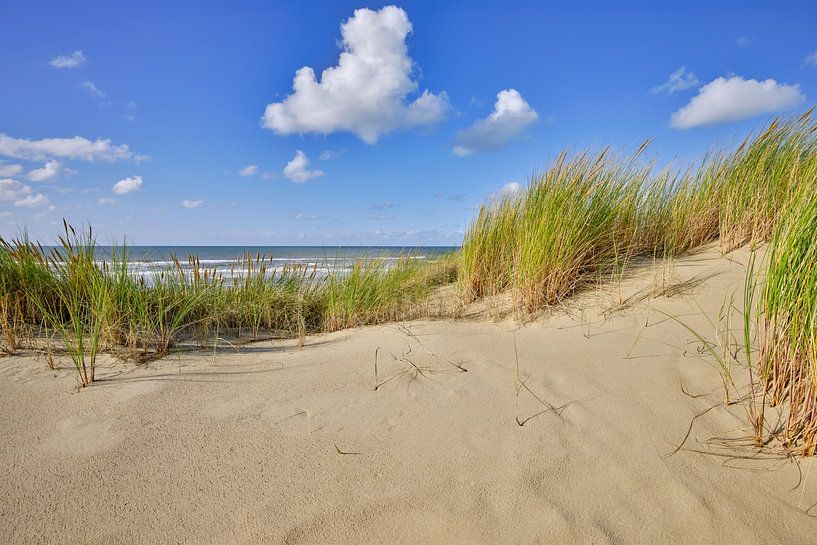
<point x="350" y="123"/>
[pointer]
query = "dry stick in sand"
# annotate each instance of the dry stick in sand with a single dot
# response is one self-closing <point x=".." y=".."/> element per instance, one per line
<point x="406" y="331"/>
<point x="347" y="453"/>
<point x="521" y="384"/>
<point x="376" y="351"/>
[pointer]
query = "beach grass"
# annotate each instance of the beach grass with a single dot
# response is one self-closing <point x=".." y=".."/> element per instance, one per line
<point x="83" y="304"/>
<point x="788" y="363"/>
<point x="586" y="215"/>
<point x="579" y="222"/>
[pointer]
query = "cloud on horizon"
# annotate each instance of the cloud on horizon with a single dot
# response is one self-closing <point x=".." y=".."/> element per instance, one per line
<point x="511" y="116"/>
<point x="297" y="170"/>
<point x="732" y="99"/>
<point x="367" y="93"/>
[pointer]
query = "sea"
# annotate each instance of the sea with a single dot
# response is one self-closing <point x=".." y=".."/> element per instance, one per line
<point x="149" y="260"/>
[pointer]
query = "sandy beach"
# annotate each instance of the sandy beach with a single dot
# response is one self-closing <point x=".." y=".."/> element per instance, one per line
<point x="276" y="444"/>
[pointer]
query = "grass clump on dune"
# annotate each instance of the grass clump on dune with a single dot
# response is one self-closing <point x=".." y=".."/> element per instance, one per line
<point x="789" y="348"/>
<point x="587" y="215"/>
<point x="93" y="303"/>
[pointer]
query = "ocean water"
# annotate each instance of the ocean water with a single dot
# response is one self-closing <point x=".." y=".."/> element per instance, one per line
<point x="149" y="260"/>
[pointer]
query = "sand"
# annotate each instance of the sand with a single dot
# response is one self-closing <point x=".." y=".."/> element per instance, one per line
<point x="277" y="444"/>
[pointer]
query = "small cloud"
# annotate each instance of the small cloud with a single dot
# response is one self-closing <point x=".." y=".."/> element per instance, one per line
<point x="388" y="205"/>
<point x="12" y="190"/>
<point x="49" y="170"/>
<point x="511" y="116"/>
<point x="249" y="170"/>
<point x="270" y="175"/>
<point x="33" y="201"/>
<point x="812" y="59"/>
<point x="679" y="80"/>
<point x="67" y="148"/>
<point x="743" y="41"/>
<point x="450" y="196"/>
<point x="297" y="170"/>
<point x="330" y="154"/>
<point x="380" y="217"/>
<point x="368" y="92"/>
<point x="509" y="190"/>
<point x="306" y="217"/>
<point x="75" y="59"/>
<point x="191" y="204"/>
<point x="95" y="91"/>
<point x="127" y="185"/>
<point x="107" y="200"/>
<point x="129" y="115"/>
<point x="724" y="100"/>
<point x="7" y="171"/>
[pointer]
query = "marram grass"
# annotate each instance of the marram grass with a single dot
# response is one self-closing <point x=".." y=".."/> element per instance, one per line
<point x="92" y="306"/>
<point x="789" y="348"/>
<point x="587" y="214"/>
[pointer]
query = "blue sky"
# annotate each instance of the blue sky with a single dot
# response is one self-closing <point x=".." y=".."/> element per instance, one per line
<point x="141" y="119"/>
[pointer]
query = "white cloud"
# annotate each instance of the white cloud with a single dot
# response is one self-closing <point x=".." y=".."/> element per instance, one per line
<point x="33" y="201"/>
<point x="107" y="200"/>
<point x="95" y="91"/>
<point x="249" y="170"/>
<point x="302" y="216"/>
<point x="12" y="190"/>
<point x="297" y="170"/>
<point x="331" y="154"/>
<point x="75" y="59"/>
<point x="743" y="41"/>
<point x="511" y="189"/>
<point x="49" y="170"/>
<point x="10" y="170"/>
<point x="735" y="98"/>
<point x="812" y="59"/>
<point x="191" y="204"/>
<point x="367" y="92"/>
<point x="679" y="80"/>
<point x="126" y="185"/>
<point x="511" y="116"/>
<point x="68" y="148"/>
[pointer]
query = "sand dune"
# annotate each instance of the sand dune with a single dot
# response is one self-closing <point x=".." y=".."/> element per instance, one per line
<point x="277" y="444"/>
